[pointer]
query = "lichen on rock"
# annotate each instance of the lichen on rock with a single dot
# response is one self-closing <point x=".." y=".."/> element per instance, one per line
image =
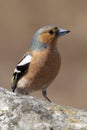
<point x="29" y="113"/>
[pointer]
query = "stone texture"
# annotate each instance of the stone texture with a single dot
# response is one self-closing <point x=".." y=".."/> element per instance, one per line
<point x="29" y="113"/>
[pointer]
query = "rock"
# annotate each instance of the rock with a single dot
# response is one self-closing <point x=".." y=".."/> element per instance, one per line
<point x="29" y="113"/>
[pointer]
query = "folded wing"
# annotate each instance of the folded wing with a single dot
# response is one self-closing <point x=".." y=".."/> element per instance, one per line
<point x="20" y="70"/>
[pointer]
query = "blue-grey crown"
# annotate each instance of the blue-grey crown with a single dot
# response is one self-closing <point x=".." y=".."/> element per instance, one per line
<point x="36" y="45"/>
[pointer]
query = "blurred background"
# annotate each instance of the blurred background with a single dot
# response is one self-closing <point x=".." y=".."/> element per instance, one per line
<point x="19" y="19"/>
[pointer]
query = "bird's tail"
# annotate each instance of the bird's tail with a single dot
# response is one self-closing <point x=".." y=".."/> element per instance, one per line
<point x="14" y="82"/>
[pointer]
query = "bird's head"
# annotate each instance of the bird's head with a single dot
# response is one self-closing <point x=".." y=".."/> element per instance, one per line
<point x="47" y="36"/>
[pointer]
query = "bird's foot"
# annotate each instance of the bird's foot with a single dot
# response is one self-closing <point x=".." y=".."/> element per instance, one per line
<point x="44" y="93"/>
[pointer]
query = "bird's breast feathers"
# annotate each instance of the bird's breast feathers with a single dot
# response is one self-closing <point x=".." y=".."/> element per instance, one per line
<point x="37" y="69"/>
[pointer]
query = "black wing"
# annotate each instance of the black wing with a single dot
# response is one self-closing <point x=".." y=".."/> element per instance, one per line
<point x="20" y="70"/>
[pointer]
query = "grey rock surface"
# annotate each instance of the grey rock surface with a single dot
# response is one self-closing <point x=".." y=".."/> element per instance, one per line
<point x="29" y="113"/>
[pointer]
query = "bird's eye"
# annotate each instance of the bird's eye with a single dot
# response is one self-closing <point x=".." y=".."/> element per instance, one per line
<point x="50" y="31"/>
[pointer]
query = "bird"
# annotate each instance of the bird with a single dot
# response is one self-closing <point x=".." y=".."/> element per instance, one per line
<point x="40" y="64"/>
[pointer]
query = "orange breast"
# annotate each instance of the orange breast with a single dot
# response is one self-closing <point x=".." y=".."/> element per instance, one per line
<point x="43" y="69"/>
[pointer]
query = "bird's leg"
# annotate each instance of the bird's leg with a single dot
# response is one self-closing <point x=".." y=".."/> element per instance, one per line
<point x="44" y="93"/>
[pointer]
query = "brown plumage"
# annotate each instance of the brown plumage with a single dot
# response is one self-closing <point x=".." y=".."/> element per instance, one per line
<point x="42" y="70"/>
<point x="44" y="62"/>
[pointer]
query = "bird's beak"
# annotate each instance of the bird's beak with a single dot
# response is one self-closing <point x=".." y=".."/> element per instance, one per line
<point x="62" y="32"/>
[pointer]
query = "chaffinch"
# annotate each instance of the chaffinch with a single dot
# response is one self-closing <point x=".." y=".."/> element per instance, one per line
<point x="41" y="64"/>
